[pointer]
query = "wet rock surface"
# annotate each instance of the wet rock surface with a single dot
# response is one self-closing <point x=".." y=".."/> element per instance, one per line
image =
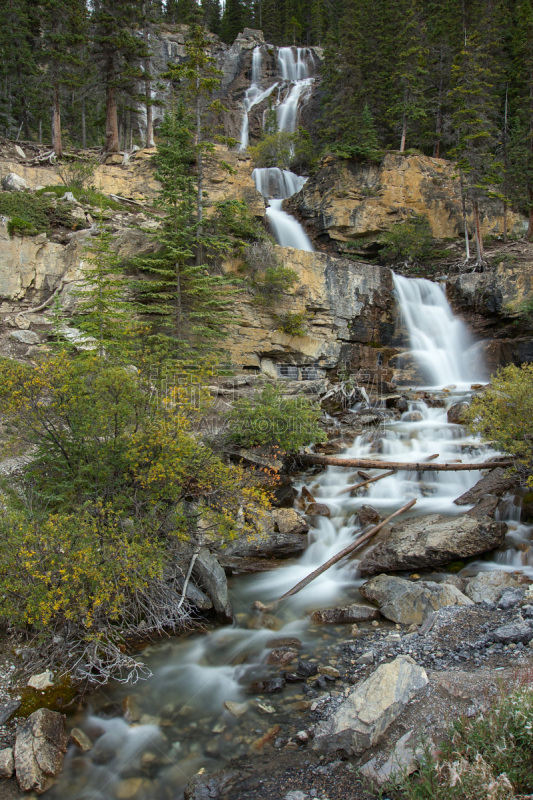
<point x="408" y="602"/>
<point x="497" y="482"/>
<point x="39" y="749"/>
<point x="431" y="541"/>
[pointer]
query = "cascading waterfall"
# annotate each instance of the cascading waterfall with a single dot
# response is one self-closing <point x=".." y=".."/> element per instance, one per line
<point x="276" y="184"/>
<point x="253" y="95"/>
<point x="294" y="68"/>
<point x="440" y="342"/>
<point x="180" y="711"/>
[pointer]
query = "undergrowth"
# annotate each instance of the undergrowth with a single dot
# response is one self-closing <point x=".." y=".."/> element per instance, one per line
<point x="30" y="214"/>
<point x="489" y="757"/>
<point x="90" y="196"/>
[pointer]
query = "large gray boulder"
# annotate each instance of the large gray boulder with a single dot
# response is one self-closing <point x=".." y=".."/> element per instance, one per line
<point x="14" y="183"/>
<point x="410" y="603"/>
<point x="433" y="541"/>
<point x="39" y="749"/>
<point x="213" y="580"/>
<point x="371" y="708"/>
<point x="488" y="587"/>
<point x="283" y="535"/>
<point x="497" y="482"/>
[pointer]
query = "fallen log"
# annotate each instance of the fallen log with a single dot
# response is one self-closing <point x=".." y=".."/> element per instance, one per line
<point x="421" y="466"/>
<point x="334" y="559"/>
<point x="365" y="483"/>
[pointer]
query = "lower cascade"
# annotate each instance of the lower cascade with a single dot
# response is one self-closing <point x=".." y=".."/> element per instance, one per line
<point x="205" y="702"/>
<point x="276" y="185"/>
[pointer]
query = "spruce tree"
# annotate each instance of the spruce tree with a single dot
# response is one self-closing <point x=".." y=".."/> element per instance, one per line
<point x="520" y="176"/>
<point x="19" y="47"/>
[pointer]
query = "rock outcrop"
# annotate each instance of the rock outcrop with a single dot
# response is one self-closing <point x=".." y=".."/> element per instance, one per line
<point x="39" y="749"/>
<point x="410" y="603"/>
<point x="370" y="709"/>
<point x="352" y="202"/>
<point x="432" y="541"/>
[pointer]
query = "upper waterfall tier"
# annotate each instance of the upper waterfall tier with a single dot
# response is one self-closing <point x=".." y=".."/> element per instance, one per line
<point x="440" y="342"/>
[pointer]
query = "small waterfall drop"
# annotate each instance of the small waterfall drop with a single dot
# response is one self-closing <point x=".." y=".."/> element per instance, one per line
<point x="276" y="185"/>
<point x="253" y="95"/>
<point x="440" y="342"/>
<point x="294" y="68"/>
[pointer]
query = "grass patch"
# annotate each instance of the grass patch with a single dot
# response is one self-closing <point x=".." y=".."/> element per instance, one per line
<point x="31" y="214"/>
<point x="88" y="196"/>
<point x="490" y="756"/>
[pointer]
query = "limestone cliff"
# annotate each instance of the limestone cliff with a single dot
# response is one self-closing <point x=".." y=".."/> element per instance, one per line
<point x="346" y="205"/>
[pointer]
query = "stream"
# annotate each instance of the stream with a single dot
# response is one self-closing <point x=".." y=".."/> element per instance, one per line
<point x="150" y="739"/>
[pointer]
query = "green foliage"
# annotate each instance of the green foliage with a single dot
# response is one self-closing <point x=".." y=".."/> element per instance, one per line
<point x="409" y="242"/>
<point x="294" y="151"/>
<point x="272" y="420"/>
<point x="503" y="413"/>
<point x="76" y="173"/>
<point x="233" y="217"/>
<point x="31" y="214"/>
<point x="87" y="195"/>
<point x="273" y="283"/>
<point x="292" y="323"/>
<point x="488" y="756"/>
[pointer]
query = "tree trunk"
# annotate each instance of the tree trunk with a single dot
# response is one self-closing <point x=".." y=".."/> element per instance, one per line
<point x="479" y="238"/>
<point x="404" y="133"/>
<point x="529" y="234"/>
<point x="148" y="94"/>
<point x="465" y="221"/>
<point x="420" y="466"/>
<point x="112" y="144"/>
<point x="199" y="203"/>
<point x="83" y="125"/>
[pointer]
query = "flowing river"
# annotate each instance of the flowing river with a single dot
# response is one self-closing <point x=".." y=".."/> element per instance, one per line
<point x="150" y="739"/>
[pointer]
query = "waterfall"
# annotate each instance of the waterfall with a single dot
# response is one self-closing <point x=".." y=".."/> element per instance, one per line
<point x="440" y="342"/>
<point x="253" y="95"/>
<point x="277" y="184"/>
<point x="294" y="68"/>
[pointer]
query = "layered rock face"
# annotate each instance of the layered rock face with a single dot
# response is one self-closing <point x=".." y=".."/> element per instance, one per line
<point x="350" y="202"/>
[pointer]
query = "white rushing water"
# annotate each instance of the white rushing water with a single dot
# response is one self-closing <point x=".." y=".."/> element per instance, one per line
<point x="253" y="95"/>
<point x="440" y="342"/>
<point x="181" y="725"/>
<point x="276" y="185"/>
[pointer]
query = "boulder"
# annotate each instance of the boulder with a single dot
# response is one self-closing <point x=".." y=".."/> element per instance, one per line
<point x="432" y="541"/>
<point x="456" y="413"/>
<point x="195" y="595"/>
<point x="318" y="510"/>
<point x="25" y="337"/>
<point x="514" y="632"/>
<point x="14" y="183"/>
<point x="368" y="516"/>
<point x="485" y="507"/>
<point x="7" y="763"/>
<point x="39" y="749"/>
<point x="7" y="710"/>
<point x="497" y="482"/>
<point x="404" y="759"/>
<point x="345" y="615"/>
<point x="410" y="603"/>
<point x="488" y="587"/>
<point x="371" y="708"/>
<point x="213" y="579"/>
<point x="80" y="739"/>
<point x="289" y="521"/>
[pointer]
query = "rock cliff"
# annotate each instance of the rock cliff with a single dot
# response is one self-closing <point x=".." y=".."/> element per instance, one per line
<point x="347" y="205"/>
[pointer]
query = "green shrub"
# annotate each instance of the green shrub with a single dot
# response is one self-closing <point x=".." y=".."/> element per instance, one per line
<point x="76" y="172"/>
<point x="89" y="196"/>
<point x="272" y="420"/>
<point x="489" y="756"/>
<point x="503" y="413"/>
<point x="292" y="323"/>
<point x="233" y="217"/>
<point x="410" y="242"/>
<point x="21" y="227"/>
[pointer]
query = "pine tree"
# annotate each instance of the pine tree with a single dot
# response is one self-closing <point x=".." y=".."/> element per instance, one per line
<point x="118" y="52"/>
<point x="232" y="20"/>
<point x="521" y="138"/>
<point x="64" y="27"/>
<point x="474" y="99"/>
<point x="19" y="47"/>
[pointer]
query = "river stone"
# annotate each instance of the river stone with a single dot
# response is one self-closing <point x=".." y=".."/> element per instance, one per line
<point x="318" y="510"/>
<point x="497" y="482"/>
<point x="371" y="708"/>
<point x="213" y="579"/>
<point x="14" y="183"/>
<point x="488" y="587"/>
<point x="456" y="413"/>
<point x="368" y="516"/>
<point x="410" y="603"/>
<point x="39" y="749"/>
<point x="403" y="760"/>
<point x="7" y="763"/>
<point x="432" y="541"/>
<point x="485" y="507"/>
<point x="287" y="520"/>
<point x="345" y="615"/>
<point x="198" y="598"/>
<point x="81" y="740"/>
<point x="42" y="681"/>
<point x="7" y="710"/>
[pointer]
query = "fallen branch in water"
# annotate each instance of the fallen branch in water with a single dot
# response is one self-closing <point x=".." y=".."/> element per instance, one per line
<point x="421" y="466"/>
<point x="338" y="557"/>
<point x="365" y="483"/>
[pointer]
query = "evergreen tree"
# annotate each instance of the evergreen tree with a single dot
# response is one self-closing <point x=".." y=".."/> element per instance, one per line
<point x="63" y="30"/>
<point x="232" y="20"/>
<point x="19" y="72"/>
<point x="118" y="51"/>
<point x="473" y="101"/>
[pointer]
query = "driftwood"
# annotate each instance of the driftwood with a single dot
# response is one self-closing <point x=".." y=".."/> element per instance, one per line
<point x="365" y="483"/>
<point x="421" y="466"/>
<point x="338" y="557"/>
